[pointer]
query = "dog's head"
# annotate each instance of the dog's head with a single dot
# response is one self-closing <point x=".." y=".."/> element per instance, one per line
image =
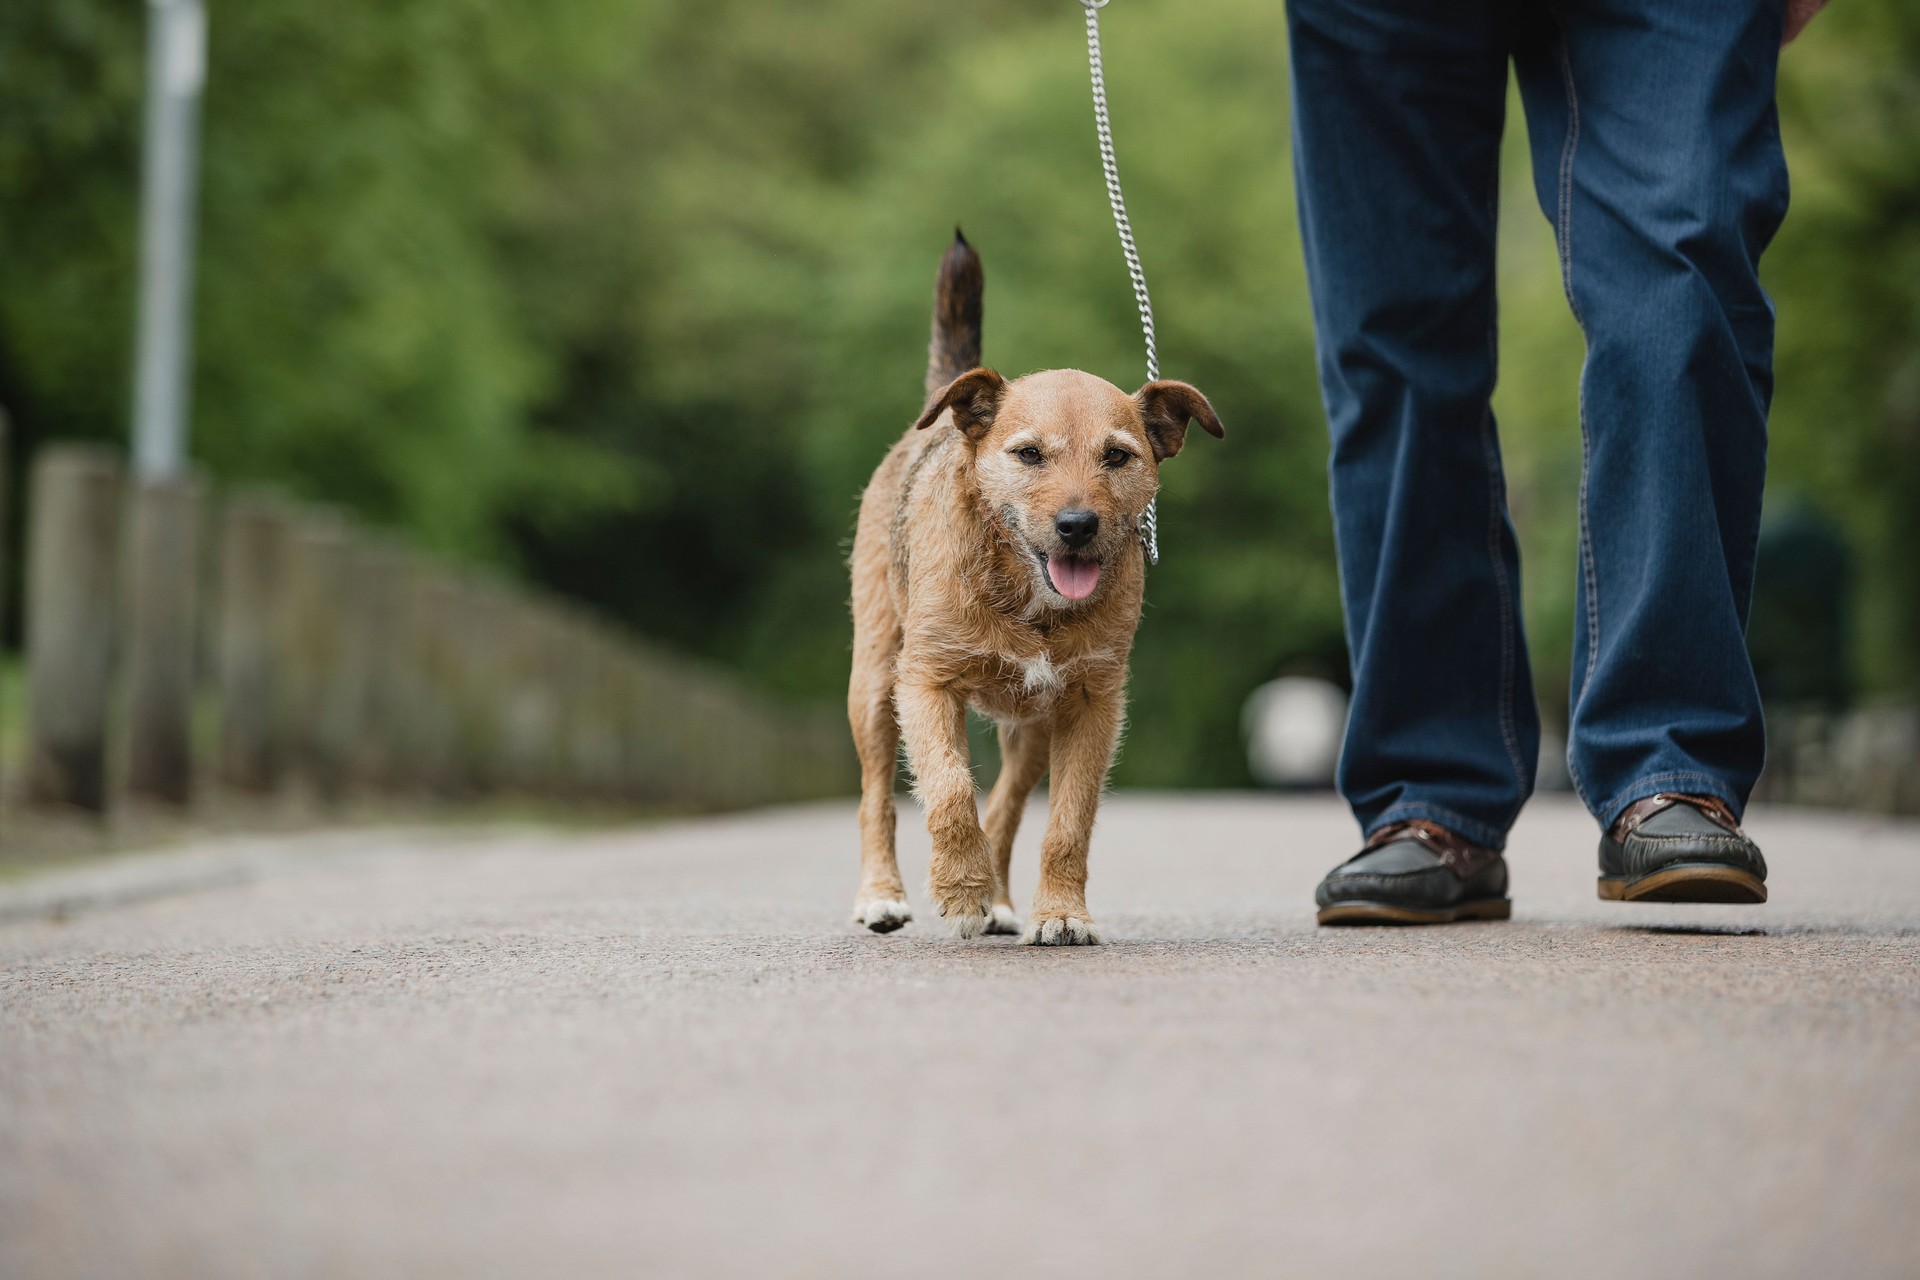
<point x="1068" y="462"/>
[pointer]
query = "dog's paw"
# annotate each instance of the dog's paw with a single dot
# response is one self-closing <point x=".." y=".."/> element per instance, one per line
<point x="1060" y="931"/>
<point x="968" y="916"/>
<point x="882" y="915"/>
<point x="1003" y="920"/>
<point x="968" y="922"/>
<point x="962" y="900"/>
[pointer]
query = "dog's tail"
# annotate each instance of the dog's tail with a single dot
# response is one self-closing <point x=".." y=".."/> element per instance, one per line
<point x="956" y="315"/>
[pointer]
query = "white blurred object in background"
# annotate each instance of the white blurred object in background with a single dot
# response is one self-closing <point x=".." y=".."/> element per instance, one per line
<point x="1293" y="727"/>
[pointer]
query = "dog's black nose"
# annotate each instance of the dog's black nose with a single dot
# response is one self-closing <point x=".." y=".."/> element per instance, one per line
<point x="1076" y="526"/>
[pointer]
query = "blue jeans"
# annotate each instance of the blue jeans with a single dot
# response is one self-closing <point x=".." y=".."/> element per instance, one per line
<point x="1656" y="156"/>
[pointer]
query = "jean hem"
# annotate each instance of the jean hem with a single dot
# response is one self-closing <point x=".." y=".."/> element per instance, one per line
<point x="1682" y="782"/>
<point x="1480" y="833"/>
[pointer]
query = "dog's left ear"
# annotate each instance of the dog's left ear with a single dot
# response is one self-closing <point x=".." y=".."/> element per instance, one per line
<point x="974" y="397"/>
<point x="1166" y="407"/>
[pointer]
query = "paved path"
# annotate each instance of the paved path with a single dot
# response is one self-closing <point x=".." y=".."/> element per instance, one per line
<point x="664" y="1053"/>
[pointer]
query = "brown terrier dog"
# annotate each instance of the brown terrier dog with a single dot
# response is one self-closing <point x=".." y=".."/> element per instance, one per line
<point x="998" y="564"/>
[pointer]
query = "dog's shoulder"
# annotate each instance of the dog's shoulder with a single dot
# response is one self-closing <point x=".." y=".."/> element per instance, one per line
<point x="924" y="506"/>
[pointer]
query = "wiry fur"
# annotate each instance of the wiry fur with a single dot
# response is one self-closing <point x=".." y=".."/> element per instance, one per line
<point x="953" y="606"/>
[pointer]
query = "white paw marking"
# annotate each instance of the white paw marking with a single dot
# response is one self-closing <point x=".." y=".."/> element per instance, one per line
<point x="1003" y="920"/>
<point x="968" y="924"/>
<point x="883" y="915"/>
<point x="967" y="919"/>
<point x="1055" y="932"/>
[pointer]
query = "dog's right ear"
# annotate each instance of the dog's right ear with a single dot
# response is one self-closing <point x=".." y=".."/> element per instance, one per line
<point x="974" y="397"/>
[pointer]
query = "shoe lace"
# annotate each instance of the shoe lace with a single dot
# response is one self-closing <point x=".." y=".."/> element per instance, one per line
<point x="1717" y="811"/>
<point x="1459" y="854"/>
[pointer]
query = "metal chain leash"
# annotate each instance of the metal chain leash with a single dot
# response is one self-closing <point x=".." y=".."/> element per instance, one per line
<point x="1103" y="126"/>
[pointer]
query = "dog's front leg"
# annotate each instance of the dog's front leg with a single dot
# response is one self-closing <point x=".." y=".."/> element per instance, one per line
<point x="933" y="720"/>
<point x="1086" y="729"/>
<point x="1023" y="759"/>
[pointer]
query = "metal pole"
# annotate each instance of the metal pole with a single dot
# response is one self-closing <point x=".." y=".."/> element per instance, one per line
<point x="176" y="69"/>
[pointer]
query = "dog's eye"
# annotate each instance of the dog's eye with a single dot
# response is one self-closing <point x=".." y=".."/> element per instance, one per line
<point x="1117" y="458"/>
<point x="1029" y="455"/>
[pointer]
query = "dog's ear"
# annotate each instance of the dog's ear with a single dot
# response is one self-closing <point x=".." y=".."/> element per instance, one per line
<point x="974" y="398"/>
<point x="1166" y="407"/>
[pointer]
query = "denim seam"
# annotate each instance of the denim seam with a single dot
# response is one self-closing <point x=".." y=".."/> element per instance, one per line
<point x="1589" y="570"/>
<point x="1653" y="784"/>
<point x="1565" y="211"/>
<point x="1478" y="832"/>
<point x="1567" y="153"/>
<point x="1509" y="732"/>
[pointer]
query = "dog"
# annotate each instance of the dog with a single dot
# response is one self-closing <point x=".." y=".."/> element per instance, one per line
<point x="998" y="564"/>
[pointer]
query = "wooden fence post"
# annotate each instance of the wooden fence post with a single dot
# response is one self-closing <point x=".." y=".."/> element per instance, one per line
<point x="432" y="621"/>
<point x="410" y="729"/>
<point x="527" y="715"/>
<point x="342" y="725"/>
<point x="73" y="556"/>
<point x="253" y="537"/>
<point x="162" y="580"/>
<point x="587" y="727"/>
<point x="555" y="674"/>
<point x="313" y="643"/>
<point x="474" y="637"/>
<point x="380" y="583"/>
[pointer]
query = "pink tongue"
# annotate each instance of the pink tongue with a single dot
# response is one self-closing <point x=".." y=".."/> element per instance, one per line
<point x="1074" y="579"/>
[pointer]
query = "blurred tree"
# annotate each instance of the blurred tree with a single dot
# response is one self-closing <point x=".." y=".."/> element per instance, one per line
<point x="70" y="82"/>
<point x="1845" y="274"/>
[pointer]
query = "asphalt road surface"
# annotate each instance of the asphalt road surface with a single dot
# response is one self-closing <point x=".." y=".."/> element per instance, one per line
<point x="666" y="1052"/>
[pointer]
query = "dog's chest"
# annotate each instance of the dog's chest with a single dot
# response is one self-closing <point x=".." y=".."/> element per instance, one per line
<point x="1025" y="685"/>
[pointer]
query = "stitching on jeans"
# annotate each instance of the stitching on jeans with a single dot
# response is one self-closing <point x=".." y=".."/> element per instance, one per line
<point x="1589" y="570"/>
<point x="1573" y="776"/>
<point x="1565" y="211"/>
<point x="1496" y="493"/>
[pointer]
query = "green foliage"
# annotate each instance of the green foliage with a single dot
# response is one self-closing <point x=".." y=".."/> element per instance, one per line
<point x="630" y="296"/>
<point x="70" y="77"/>
<point x="1846" y="275"/>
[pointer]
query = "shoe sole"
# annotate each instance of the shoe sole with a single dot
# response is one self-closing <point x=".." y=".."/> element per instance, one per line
<point x="1387" y="913"/>
<point x="1701" y="882"/>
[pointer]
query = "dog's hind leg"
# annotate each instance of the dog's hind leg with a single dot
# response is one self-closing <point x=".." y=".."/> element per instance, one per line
<point x="960" y="874"/>
<point x="881" y="904"/>
<point x="1023" y="759"/>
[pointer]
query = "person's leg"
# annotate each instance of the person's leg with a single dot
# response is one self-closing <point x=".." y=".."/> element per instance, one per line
<point x="1656" y="155"/>
<point x="1398" y="108"/>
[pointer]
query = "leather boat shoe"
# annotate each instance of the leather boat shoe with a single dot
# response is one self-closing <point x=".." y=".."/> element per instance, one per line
<point x="1674" y="848"/>
<point x="1416" y="873"/>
